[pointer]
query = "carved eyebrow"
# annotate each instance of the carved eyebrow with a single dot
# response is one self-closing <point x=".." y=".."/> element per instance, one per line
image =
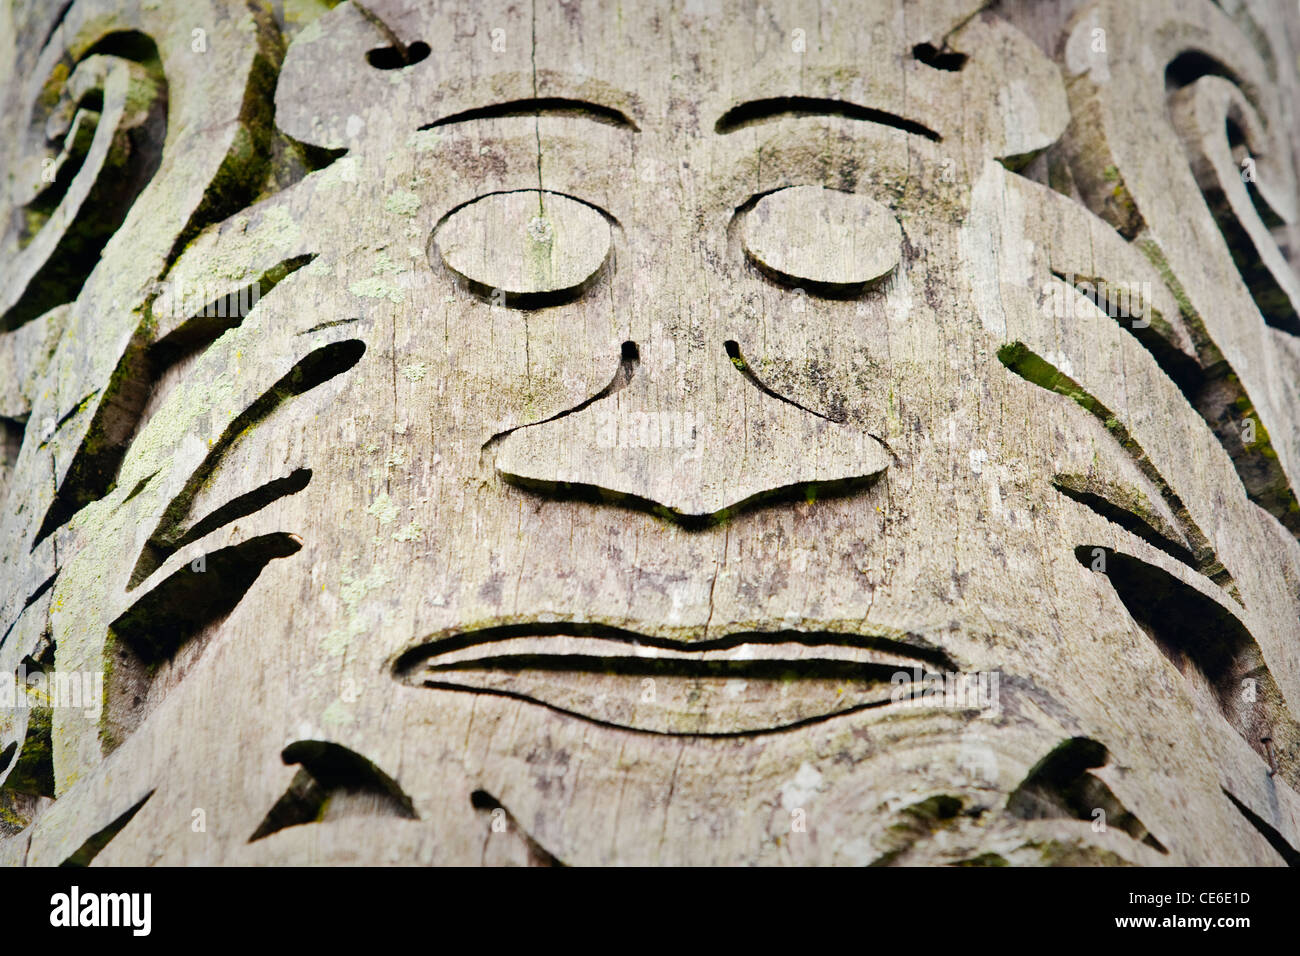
<point x="555" y="106"/>
<point x="758" y="111"/>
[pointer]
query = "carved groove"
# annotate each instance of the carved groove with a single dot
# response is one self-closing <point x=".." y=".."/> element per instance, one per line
<point x="1033" y="368"/>
<point x="759" y="111"/>
<point x="535" y="853"/>
<point x="550" y="106"/>
<point x="629" y="359"/>
<point x="1060" y="785"/>
<point x="92" y="847"/>
<point x="120" y="414"/>
<point x="132" y="158"/>
<point x="333" y="782"/>
<point x="690" y="683"/>
<point x="1275" y="839"/>
<point x="738" y="360"/>
<point x="315" y="369"/>
<point x="939" y="59"/>
<point x="448" y="643"/>
<point x="1216" y="654"/>
<point x="395" y="58"/>
<point x="192" y="597"/>
<point x="1090" y="497"/>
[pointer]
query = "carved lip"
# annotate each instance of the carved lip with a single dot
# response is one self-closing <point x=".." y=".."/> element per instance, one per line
<point x="736" y="684"/>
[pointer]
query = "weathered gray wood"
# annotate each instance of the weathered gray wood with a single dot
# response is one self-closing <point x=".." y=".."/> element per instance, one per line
<point x="597" y="433"/>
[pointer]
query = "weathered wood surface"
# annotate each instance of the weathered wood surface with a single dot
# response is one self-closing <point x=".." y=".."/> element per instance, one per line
<point x="572" y="432"/>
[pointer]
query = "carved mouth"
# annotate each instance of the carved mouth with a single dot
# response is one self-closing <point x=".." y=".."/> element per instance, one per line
<point x="738" y="684"/>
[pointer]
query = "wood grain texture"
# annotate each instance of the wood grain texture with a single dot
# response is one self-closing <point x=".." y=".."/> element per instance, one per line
<point x="583" y="433"/>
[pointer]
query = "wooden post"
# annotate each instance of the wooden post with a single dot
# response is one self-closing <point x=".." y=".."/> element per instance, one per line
<point x="587" y="433"/>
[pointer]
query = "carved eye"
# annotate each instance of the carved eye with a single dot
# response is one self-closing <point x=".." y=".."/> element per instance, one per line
<point x="823" y="240"/>
<point x="528" y="249"/>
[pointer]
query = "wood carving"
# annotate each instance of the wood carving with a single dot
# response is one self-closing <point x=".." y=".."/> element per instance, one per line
<point x="582" y="433"/>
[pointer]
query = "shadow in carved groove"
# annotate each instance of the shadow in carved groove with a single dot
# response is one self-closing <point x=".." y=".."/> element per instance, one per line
<point x="759" y="111"/>
<point x="92" y="847"/>
<point x="1060" y="785"/>
<point x="31" y="599"/>
<point x="128" y="156"/>
<point x="505" y="828"/>
<point x="629" y="359"/>
<point x="395" y="58"/>
<point x="1274" y="303"/>
<point x="735" y="685"/>
<point x="939" y="59"/>
<point x="181" y="608"/>
<point x="1030" y="366"/>
<point x="120" y="415"/>
<point x="1199" y="89"/>
<point x="1275" y="839"/>
<point x="1209" y="382"/>
<point x="32" y="772"/>
<point x="916" y="825"/>
<point x="804" y="492"/>
<point x="1217" y="656"/>
<point x="170" y="623"/>
<point x="27" y="763"/>
<point x="333" y="782"/>
<point x="11" y="443"/>
<point x="170" y="534"/>
<point x="549" y="105"/>
<point x="1125" y="507"/>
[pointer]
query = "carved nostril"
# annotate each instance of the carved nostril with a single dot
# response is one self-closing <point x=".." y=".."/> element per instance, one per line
<point x="738" y="360"/>
<point x="629" y="359"/>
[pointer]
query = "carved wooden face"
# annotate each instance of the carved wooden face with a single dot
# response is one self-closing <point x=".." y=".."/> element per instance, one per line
<point x="649" y="436"/>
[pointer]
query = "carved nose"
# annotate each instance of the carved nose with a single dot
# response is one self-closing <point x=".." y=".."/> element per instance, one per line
<point x="697" y="456"/>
